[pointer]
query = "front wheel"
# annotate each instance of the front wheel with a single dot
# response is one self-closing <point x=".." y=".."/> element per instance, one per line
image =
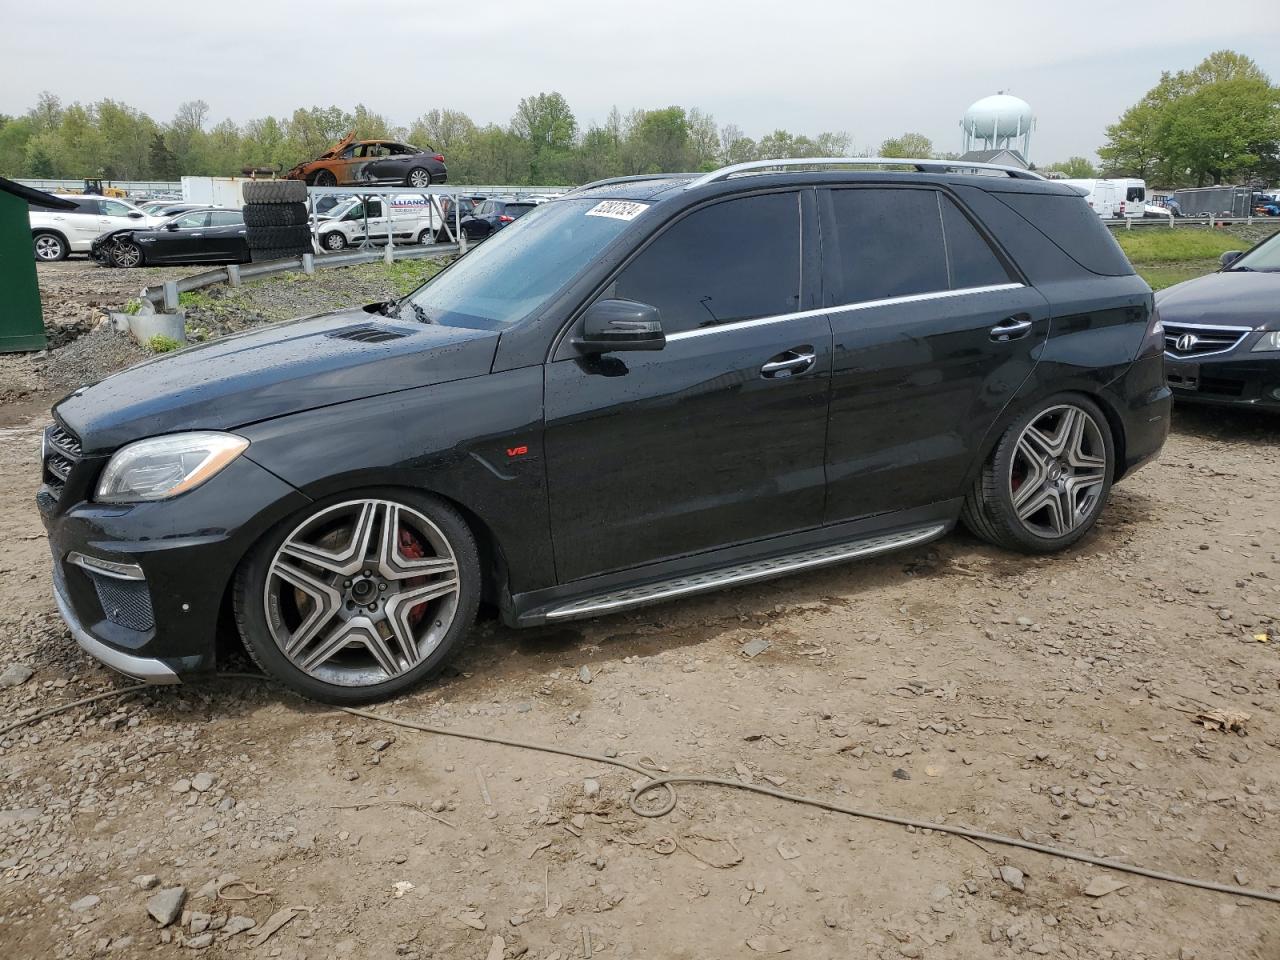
<point x="1047" y="480"/>
<point x="333" y="241"/>
<point x="126" y="253"/>
<point x="324" y="178"/>
<point x="361" y="597"/>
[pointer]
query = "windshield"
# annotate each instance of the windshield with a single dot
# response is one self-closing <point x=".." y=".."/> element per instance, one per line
<point x="1265" y="257"/>
<point x="337" y="211"/>
<point x="517" y="270"/>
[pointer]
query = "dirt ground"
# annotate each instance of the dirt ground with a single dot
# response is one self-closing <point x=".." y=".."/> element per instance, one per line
<point x="1052" y="698"/>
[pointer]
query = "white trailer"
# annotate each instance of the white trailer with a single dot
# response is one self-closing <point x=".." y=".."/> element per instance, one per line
<point x="214" y="191"/>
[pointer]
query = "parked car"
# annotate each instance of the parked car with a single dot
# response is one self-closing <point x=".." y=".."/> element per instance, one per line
<point x="1222" y="332"/>
<point x="352" y="162"/>
<point x="493" y="215"/>
<point x="411" y="219"/>
<point x="643" y="390"/>
<point x="1265" y="205"/>
<point x="168" y="208"/>
<point x="208" y="235"/>
<point x="57" y="233"/>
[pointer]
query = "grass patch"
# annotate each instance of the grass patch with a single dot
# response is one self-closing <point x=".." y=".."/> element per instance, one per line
<point x="195" y="299"/>
<point x="162" y="344"/>
<point x="1162" y="245"/>
<point x="1161" y="275"/>
<point x="132" y="307"/>
<point x="407" y="275"/>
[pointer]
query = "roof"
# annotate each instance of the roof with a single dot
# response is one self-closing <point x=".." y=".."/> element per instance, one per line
<point x="35" y="196"/>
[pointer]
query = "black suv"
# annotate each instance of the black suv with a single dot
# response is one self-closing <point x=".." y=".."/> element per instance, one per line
<point x="645" y="389"/>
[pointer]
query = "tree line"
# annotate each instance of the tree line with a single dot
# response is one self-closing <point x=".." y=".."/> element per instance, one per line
<point x="542" y="143"/>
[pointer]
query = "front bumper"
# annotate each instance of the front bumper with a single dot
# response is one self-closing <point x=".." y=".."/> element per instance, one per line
<point x="1236" y="379"/>
<point x="159" y="624"/>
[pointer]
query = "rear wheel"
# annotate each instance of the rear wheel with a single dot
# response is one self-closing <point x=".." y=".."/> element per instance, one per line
<point x="1047" y="480"/>
<point x="49" y="247"/>
<point x="360" y="598"/>
<point x="418" y="177"/>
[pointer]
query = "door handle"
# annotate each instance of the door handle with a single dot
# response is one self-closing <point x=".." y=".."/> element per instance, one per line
<point x="789" y="364"/>
<point x="1011" y="328"/>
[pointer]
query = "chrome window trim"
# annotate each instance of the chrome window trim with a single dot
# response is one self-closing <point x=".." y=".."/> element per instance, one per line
<point x="843" y="308"/>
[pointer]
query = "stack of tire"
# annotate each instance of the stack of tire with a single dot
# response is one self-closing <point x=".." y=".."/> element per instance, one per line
<point x="276" y="219"/>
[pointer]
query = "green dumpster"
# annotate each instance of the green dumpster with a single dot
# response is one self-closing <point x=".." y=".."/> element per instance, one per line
<point x="21" y="321"/>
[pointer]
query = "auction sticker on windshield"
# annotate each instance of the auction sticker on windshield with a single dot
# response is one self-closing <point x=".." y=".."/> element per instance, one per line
<point x="618" y="209"/>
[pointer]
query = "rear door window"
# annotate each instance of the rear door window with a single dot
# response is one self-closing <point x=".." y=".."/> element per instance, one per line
<point x="885" y="243"/>
<point x="518" y="209"/>
<point x="732" y="261"/>
<point x="971" y="261"/>
<point x="225" y="218"/>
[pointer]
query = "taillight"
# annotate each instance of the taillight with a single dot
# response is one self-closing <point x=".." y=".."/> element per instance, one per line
<point x="505" y="219"/>
<point x="1153" y="342"/>
<point x="438" y="157"/>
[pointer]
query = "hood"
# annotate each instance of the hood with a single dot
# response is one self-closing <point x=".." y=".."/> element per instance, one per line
<point x="1232" y="298"/>
<point x="272" y="371"/>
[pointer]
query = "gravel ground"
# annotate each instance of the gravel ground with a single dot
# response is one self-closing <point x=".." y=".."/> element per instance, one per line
<point x="83" y="348"/>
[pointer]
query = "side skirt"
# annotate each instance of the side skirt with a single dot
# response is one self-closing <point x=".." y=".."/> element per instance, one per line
<point x="732" y="566"/>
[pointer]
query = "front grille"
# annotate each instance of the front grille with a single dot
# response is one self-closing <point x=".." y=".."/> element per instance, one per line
<point x="62" y="452"/>
<point x="126" y="603"/>
<point x="1185" y="341"/>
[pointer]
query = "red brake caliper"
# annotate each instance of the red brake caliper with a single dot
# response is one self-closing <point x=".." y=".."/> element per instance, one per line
<point x="411" y="549"/>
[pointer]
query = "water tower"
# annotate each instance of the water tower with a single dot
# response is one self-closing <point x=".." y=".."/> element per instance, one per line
<point x="1001" y="122"/>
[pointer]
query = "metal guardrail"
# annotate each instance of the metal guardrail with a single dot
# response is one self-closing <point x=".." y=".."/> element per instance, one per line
<point x="1198" y="221"/>
<point x="165" y="297"/>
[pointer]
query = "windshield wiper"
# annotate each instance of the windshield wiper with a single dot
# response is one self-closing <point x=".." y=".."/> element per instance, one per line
<point x="418" y="312"/>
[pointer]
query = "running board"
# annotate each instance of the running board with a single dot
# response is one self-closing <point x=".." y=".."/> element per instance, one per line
<point x="741" y="573"/>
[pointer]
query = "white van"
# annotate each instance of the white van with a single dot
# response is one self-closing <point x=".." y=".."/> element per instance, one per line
<point x="412" y="219"/>
<point x="1105" y="197"/>
<point x="1133" y="196"/>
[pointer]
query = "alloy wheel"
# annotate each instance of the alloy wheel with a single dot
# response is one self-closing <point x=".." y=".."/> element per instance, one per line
<point x="48" y="247"/>
<point x="419" y="177"/>
<point x="126" y="255"/>
<point x="1058" y="471"/>
<point x="361" y="592"/>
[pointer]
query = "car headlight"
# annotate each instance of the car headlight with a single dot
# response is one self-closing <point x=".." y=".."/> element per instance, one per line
<point x="1268" y="341"/>
<point x="163" y="467"/>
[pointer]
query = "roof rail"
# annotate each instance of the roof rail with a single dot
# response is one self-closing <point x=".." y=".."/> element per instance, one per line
<point x="631" y="179"/>
<point x="921" y="165"/>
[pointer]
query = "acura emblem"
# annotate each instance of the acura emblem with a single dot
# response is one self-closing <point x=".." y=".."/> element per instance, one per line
<point x="1186" y="343"/>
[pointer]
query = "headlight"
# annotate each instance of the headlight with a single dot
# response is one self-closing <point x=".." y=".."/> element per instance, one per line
<point x="1268" y="341"/>
<point x="163" y="467"/>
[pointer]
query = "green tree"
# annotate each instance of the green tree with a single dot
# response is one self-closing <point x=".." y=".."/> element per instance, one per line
<point x="442" y="130"/>
<point x="1073" y="168"/>
<point x="655" y="141"/>
<point x="15" y="135"/>
<point x="1219" y="120"/>
<point x="914" y="145"/>
<point x="163" y="164"/>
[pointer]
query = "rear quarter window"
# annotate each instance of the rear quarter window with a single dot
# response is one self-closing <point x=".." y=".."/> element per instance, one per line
<point x="1073" y="228"/>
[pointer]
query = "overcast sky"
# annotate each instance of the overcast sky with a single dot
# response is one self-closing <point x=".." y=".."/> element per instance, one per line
<point x="873" y="70"/>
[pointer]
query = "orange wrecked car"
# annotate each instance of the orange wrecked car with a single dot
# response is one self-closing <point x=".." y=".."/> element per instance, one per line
<point x="357" y="163"/>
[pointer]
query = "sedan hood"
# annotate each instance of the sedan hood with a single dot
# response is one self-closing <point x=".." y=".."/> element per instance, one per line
<point x="272" y="371"/>
<point x="1232" y="298"/>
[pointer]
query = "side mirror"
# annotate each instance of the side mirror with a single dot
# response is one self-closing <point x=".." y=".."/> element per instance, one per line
<point x="611" y="325"/>
<point x="1230" y="257"/>
<point x="171" y="225"/>
<point x="136" y="215"/>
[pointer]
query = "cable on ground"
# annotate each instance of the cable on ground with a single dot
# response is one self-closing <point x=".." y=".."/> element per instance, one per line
<point x="666" y="782"/>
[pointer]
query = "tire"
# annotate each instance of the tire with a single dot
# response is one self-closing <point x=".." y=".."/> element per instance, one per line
<point x="279" y="599"/>
<point x="276" y="215"/>
<point x="333" y="241"/>
<point x="274" y="191"/>
<point x="1044" y="494"/>
<point x="324" y="178"/>
<point x="418" y="177"/>
<point x="264" y="237"/>
<point x="49" y="247"/>
<point x="127" y="253"/>
<point x="278" y="253"/>
<point x="426" y="236"/>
